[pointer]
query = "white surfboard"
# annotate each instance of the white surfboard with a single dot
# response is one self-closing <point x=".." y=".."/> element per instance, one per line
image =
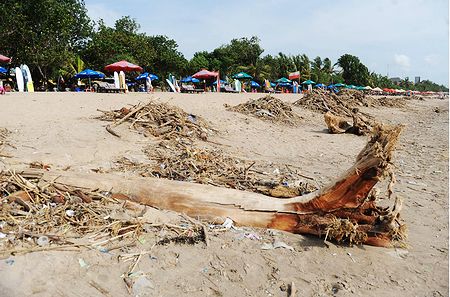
<point x="238" y="86"/>
<point x="171" y="86"/>
<point x="19" y="79"/>
<point x="29" y="83"/>
<point x="123" y="82"/>
<point x="25" y="78"/>
<point x="116" y="80"/>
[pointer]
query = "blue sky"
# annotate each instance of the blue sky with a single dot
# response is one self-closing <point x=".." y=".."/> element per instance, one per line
<point x="402" y="37"/>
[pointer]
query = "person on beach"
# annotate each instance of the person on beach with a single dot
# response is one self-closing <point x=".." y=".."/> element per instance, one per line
<point x="148" y="84"/>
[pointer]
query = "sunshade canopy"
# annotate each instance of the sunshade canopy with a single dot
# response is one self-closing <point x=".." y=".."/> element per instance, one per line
<point x="123" y="66"/>
<point x="283" y="80"/>
<point x="205" y="74"/>
<point x="4" y="59"/>
<point x="188" y="79"/>
<point x="88" y="73"/>
<point x="145" y="75"/>
<point x="242" y="75"/>
<point x="308" y="82"/>
<point x="3" y="70"/>
<point x="377" y="89"/>
<point x="254" y="84"/>
<point x="340" y="85"/>
<point x="320" y="85"/>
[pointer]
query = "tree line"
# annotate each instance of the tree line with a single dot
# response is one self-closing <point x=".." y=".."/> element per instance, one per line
<point x="56" y="38"/>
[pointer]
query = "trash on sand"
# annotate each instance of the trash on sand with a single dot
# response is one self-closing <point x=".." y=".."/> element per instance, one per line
<point x="82" y="263"/>
<point x="2" y="235"/>
<point x="228" y="223"/>
<point x="70" y="213"/>
<point x="275" y="245"/>
<point x="270" y="109"/>
<point x="43" y="241"/>
<point x="141" y="286"/>
<point x="10" y="261"/>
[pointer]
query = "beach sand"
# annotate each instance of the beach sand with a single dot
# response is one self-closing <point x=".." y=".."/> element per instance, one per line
<point x="59" y="129"/>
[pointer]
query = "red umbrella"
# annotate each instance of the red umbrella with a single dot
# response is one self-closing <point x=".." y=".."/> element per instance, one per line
<point x="123" y="66"/>
<point x="205" y="74"/>
<point x="4" y="59"/>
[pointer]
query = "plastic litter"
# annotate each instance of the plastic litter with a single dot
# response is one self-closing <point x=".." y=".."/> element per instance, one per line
<point x="43" y="241"/>
<point x="142" y="285"/>
<point x="276" y="245"/>
<point x="228" y="223"/>
<point x="70" y="213"/>
<point x="82" y="263"/>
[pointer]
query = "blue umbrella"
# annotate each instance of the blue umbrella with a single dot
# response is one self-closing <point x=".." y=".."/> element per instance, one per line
<point x="330" y="86"/>
<point x="222" y="82"/>
<point x="88" y="73"/>
<point x="320" y="86"/>
<point x="189" y="79"/>
<point x="145" y="75"/>
<point x="254" y="84"/>
<point x="3" y="70"/>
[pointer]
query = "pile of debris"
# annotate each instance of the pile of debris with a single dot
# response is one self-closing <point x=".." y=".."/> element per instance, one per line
<point x="177" y="161"/>
<point x="34" y="215"/>
<point x="160" y="120"/>
<point x="339" y="107"/>
<point x="268" y="108"/>
<point x="176" y="157"/>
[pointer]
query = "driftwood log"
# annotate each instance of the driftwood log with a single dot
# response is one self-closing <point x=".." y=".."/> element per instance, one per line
<point x="338" y="125"/>
<point x="344" y="211"/>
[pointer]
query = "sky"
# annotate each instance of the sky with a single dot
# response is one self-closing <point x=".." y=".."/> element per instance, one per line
<point x="398" y="38"/>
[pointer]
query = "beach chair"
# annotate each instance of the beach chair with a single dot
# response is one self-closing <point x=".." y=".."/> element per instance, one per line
<point x="104" y="87"/>
<point x="229" y="89"/>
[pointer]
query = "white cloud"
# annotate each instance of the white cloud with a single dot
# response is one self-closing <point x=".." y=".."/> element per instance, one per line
<point x="402" y="61"/>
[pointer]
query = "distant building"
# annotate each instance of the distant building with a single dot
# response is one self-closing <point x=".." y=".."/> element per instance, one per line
<point x="417" y="80"/>
<point x="395" y="80"/>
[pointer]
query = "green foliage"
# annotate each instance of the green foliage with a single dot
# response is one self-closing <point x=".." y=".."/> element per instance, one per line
<point x="156" y="54"/>
<point x="353" y="71"/>
<point x="43" y="33"/>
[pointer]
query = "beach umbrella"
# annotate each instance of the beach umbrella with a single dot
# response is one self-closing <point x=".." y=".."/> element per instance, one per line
<point x="123" y="66"/>
<point x="205" y="74"/>
<point x="308" y="82"/>
<point x="360" y="88"/>
<point x="145" y="75"/>
<point x="3" y="70"/>
<point x="319" y="85"/>
<point x="89" y="74"/>
<point x="4" y="59"/>
<point x="368" y="88"/>
<point x="254" y="84"/>
<point x="340" y="85"/>
<point x="377" y="89"/>
<point x="189" y="79"/>
<point x="283" y="80"/>
<point x="242" y="75"/>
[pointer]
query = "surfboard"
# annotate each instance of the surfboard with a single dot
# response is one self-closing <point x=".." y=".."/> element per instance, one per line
<point x="123" y="82"/>
<point x="19" y="79"/>
<point x="29" y="82"/>
<point x="116" y="80"/>
<point x="171" y="86"/>
<point x="25" y="78"/>
<point x="238" y="86"/>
